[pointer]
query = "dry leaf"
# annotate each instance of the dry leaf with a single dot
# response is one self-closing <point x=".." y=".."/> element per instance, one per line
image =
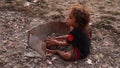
<point x="2" y="48"/>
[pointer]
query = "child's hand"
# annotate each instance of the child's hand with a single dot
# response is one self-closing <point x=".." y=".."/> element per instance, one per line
<point x="51" y="42"/>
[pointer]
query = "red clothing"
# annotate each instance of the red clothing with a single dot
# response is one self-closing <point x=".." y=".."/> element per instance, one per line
<point x="77" y="53"/>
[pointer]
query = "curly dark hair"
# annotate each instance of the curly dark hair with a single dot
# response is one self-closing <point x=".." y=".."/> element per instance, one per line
<point x="81" y="15"/>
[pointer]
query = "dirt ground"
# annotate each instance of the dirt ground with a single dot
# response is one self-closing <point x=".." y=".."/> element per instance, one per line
<point x="17" y="17"/>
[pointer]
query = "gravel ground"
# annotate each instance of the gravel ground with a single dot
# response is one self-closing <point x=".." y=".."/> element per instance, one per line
<point x="17" y="17"/>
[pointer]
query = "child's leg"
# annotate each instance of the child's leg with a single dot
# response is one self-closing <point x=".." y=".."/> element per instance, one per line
<point x="66" y="55"/>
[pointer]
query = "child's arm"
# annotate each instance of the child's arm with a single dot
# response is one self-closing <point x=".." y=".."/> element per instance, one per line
<point x="62" y="37"/>
<point x="51" y="42"/>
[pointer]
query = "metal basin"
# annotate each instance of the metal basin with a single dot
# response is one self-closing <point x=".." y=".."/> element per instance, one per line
<point x="38" y="34"/>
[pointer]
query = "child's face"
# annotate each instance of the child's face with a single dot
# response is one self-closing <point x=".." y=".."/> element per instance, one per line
<point x="71" y="21"/>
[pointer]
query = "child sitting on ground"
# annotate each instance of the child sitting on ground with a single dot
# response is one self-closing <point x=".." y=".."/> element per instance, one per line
<point x="78" y="40"/>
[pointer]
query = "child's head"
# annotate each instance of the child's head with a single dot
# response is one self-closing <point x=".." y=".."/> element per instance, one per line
<point x="78" y="17"/>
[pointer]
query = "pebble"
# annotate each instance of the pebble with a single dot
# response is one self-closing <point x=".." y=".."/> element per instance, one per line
<point x="48" y="62"/>
<point x="89" y="61"/>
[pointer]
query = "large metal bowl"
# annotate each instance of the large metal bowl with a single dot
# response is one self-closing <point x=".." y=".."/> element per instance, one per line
<point x="38" y="34"/>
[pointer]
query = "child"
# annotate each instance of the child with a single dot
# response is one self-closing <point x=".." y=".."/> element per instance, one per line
<point x="78" y="39"/>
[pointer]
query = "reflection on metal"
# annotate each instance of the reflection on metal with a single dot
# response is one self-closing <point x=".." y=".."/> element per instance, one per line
<point x="38" y="34"/>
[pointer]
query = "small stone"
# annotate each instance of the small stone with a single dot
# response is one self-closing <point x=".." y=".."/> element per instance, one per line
<point x="26" y="4"/>
<point x="54" y="58"/>
<point x="90" y="23"/>
<point x="96" y="56"/>
<point x="49" y="62"/>
<point x="101" y="55"/>
<point x="89" y="61"/>
<point x="76" y="62"/>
